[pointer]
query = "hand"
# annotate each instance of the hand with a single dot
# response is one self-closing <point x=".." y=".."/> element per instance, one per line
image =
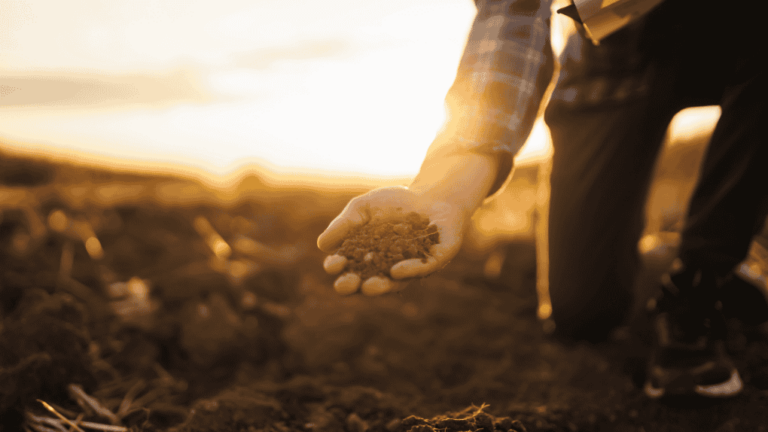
<point x="387" y="204"/>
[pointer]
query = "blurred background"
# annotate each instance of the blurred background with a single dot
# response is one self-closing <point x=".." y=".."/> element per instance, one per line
<point x="287" y="109"/>
<point x="341" y="93"/>
<point x="335" y="86"/>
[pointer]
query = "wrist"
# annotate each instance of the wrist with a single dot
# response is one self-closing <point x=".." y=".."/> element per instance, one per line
<point x="462" y="180"/>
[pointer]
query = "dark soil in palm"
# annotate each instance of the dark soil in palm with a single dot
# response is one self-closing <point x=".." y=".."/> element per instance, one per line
<point x="375" y="247"/>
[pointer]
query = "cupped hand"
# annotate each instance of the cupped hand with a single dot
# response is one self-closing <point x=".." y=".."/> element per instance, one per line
<point x="391" y="203"/>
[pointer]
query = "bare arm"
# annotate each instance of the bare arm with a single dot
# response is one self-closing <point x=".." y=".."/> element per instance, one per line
<point x="492" y="105"/>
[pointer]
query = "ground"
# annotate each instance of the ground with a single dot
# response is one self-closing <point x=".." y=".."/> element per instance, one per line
<point x="156" y="303"/>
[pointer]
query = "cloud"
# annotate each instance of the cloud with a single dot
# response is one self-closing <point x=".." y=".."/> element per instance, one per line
<point x="312" y="50"/>
<point x="67" y="90"/>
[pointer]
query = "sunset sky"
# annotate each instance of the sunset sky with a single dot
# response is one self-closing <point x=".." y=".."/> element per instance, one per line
<point x="339" y="85"/>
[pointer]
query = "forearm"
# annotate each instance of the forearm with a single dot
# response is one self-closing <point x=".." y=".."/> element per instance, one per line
<point x="462" y="180"/>
<point x="505" y="69"/>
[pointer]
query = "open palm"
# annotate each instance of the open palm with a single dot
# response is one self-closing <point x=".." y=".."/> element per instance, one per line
<point x="385" y="204"/>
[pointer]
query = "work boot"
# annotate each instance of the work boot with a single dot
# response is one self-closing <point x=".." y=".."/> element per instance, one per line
<point x="689" y="356"/>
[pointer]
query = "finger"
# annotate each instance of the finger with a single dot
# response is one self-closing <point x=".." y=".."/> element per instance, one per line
<point x="347" y="283"/>
<point x="440" y="254"/>
<point x="378" y="285"/>
<point x="334" y="264"/>
<point x="414" y="267"/>
<point x="352" y="216"/>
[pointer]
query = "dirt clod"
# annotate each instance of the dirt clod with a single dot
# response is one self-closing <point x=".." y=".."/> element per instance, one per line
<point x="375" y="247"/>
<point x="355" y="424"/>
<point x="470" y="419"/>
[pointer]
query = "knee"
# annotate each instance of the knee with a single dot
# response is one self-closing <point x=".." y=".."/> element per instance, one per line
<point x="587" y="313"/>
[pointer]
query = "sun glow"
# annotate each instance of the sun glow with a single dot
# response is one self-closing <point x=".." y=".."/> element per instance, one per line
<point x="341" y="87"/>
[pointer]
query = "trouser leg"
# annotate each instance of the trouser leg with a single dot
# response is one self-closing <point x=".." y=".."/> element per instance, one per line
<point x="607" y="117"/>
<point x="604" y="155"/>
<point x="730" y="203"/>
<point x="601" y="169"/>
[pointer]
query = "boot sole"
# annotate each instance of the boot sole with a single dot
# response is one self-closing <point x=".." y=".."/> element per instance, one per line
<point x="729" y="388"/>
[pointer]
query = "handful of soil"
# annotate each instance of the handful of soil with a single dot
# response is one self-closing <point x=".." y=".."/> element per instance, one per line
<point x="372" y="249"/>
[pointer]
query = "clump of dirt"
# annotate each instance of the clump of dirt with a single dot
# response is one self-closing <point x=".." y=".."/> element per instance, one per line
<point x="375" y="247"/>
<point x="470" y="419"/>
<point x="43" y="347"/>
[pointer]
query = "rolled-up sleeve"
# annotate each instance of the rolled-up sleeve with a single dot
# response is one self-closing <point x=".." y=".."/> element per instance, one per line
<point x="502" y="76"/>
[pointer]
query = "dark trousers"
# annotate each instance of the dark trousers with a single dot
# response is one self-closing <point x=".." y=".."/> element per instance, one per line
<point x="608" y="116"/>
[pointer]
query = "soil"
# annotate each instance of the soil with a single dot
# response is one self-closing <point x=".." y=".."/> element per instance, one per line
<point x="179" y="325"/>
<point x="375" y="247"/>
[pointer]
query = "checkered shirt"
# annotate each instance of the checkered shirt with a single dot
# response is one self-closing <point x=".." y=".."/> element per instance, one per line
<point x="502" y="76"/>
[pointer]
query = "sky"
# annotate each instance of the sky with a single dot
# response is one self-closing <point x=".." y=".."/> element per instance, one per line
<point x="338" y="85"/>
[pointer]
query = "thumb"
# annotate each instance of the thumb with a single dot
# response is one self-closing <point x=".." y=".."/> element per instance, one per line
<point x="351" y="217"/>
<point x="440" y="254"/>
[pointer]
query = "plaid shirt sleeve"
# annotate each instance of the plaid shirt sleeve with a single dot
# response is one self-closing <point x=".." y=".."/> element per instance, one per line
<point x="505" y="69"/>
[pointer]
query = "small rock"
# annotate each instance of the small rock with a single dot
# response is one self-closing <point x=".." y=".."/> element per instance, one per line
<point x="355" y="424"/>
<point x="484" y="421"/>
<point x="393" y="425"/>
<point x="503" y="424"/>
<point x="517" y="426"/>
